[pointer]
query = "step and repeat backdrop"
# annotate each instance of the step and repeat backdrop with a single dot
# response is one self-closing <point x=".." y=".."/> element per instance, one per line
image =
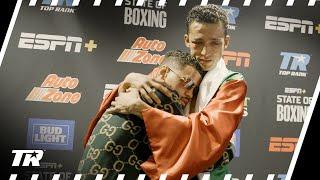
<point x="61" y="61"/>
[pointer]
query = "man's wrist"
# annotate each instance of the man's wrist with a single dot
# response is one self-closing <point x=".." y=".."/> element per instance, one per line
<point x="132" y="79"/>
<point x="141" y="106"/>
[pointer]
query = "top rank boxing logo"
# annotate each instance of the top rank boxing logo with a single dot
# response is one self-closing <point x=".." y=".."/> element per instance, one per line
<point x="26" y="158"/>
<point x="67" y="3"/>
<point x="62" y="6"/>
<point x="232" y="14"/>
<point x="32" y="157"/>
<point x="51" y="42"/>
<point x="294" y="64"/>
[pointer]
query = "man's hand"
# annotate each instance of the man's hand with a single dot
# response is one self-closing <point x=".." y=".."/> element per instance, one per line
<point x="146" y="86"/>
<point x="128" y="102"/>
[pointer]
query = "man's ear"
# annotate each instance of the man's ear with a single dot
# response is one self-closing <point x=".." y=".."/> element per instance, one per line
<point x="186" y="40"/>
<point x="226" y="41"/>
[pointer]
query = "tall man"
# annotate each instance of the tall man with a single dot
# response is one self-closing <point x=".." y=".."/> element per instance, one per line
<point x="194" y="143"/>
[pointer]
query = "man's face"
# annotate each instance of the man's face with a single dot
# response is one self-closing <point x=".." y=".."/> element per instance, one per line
<point x="177" y="79"/>
<point x="206" y="42"/>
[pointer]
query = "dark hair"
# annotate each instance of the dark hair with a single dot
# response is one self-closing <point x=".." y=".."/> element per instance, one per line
<point x="181" y="59"/>
<point x="210" y="13"/>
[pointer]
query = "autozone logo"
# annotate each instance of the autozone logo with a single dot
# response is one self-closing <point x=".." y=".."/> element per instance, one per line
<point x="139" y="52"/>
<point x="290" y="25"/>
<point x="240" y="59"/>
<point x="282" y="144"/>
<point x="53" y="42"/>
<point x="49" y="91"/>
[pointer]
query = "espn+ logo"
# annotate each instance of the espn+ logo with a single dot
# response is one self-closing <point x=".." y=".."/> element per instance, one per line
<point x="291" y="25"/>
<point x="52" y="42"/>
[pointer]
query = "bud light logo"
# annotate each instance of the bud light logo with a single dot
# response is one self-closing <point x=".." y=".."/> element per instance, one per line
<point x="50" y="134"/>
<point x="294" y="64"/>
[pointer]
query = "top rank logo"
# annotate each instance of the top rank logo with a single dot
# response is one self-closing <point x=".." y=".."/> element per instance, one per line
<point x="63" y="6"/>
<point x="51" y="42"/>
<point x="294" y="64"/>
<point x="67" y="3"/>
<point x="32" y="157"/>
<point x="291" y="25"/>
<point x="233" y="13"/>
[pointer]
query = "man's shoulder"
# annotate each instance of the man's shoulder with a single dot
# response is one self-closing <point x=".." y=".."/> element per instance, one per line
<point x="234" y="82"/>
<point x="234" y="78"/>
<point x="233" y="75"/>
